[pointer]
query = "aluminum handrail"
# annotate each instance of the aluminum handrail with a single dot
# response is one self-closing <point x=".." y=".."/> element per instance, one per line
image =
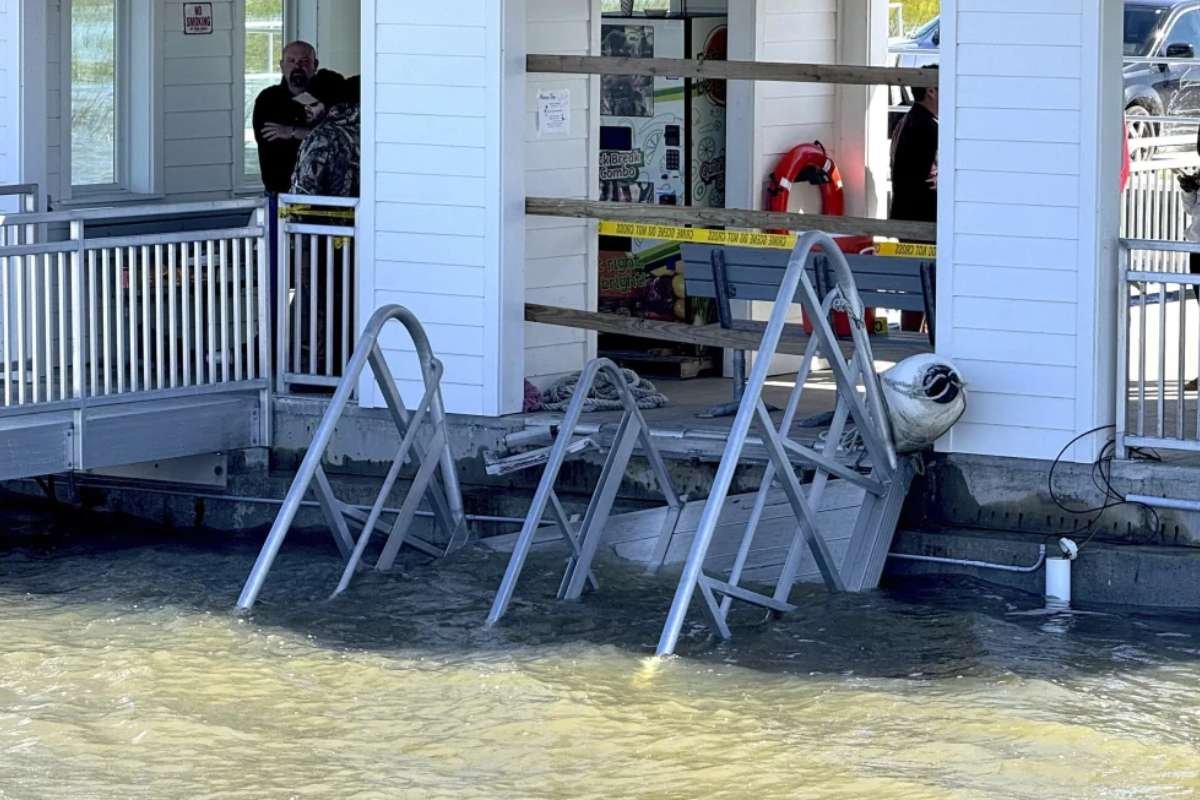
<point x="367" y="351"/>
<point x="314" y="200"/>
<point x="1161" y="245"/>
<point x="109" y="213"/>
<point x="878" y="442"/>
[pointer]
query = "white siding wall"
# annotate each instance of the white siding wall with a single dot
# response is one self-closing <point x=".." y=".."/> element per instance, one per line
<point x="200" y="109"/>
<point x="560" y="254"/>
<point x="768" y="119"/>
<point x="54" y="102"/>
<point x="1027" y="234"/>
<point x="803" y="31"/>
<point x="10" y="53"/>
<point x="442" y="223"/>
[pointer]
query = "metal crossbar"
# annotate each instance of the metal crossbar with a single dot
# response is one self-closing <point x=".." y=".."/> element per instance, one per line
<point x="585" y="541"/>
<point x="424" y="438"/>
<point x="885" y="489"/>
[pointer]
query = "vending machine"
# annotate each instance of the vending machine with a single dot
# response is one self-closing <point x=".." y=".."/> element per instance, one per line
<point x="708" y="40"/>
<point x="662" y="142"/>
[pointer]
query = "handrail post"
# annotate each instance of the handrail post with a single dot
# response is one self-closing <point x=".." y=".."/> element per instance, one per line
<point x="78" y="310"/>
<point x="265" y="327"/>
<point x="1122" y="377"/>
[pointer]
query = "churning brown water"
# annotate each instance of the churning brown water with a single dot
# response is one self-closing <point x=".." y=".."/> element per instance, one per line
<point x="123" y="674"/>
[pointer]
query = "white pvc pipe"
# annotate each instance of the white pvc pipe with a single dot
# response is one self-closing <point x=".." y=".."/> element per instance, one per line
<point x="1058" y="583"/>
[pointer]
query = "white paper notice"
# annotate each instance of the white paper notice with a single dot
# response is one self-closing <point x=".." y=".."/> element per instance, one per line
<point x="554" y="112"/>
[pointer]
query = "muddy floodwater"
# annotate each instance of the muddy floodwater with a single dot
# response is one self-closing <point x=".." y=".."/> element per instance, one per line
<point x="124" y="674"/>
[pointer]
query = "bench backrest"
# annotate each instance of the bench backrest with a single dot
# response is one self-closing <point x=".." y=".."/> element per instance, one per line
<point x="755" y="274"/>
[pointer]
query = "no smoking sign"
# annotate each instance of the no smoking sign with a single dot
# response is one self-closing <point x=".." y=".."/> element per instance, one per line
<point x="197" y="19"/>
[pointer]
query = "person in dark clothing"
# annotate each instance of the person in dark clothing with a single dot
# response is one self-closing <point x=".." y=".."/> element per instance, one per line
<point x="280" y="122"/>
<point x="915" y="170"/>
<point x="914" y="160"/>
<point x="329" y="157"/>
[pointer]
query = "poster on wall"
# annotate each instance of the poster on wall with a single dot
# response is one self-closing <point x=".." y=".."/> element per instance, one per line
<point x="627" y="95"/>
<point x="554" y="112"/>
<point x="197" y="19"/>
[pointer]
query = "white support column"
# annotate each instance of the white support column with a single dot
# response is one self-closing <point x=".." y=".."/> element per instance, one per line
<point x="442" y="223"/>
<point x="862" y="145"/>
<point x="23" y="92"/>
<point x="1029" y="194"/>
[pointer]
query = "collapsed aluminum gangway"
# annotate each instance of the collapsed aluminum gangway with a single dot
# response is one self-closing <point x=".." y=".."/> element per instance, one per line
<point x="423" y="438"/>
<point x="872" y="470"/>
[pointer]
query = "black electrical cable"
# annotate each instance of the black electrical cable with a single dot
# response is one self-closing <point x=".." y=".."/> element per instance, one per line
<point x="1101" y="475"/>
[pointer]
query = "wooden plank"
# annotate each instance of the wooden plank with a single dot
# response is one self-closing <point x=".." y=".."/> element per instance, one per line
<point x="843" y="74"/>
<point x="733" y="218"/>
<point x="747" y="336"/>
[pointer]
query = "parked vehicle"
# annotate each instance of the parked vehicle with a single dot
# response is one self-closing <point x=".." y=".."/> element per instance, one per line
<point x="1164" y="28"/>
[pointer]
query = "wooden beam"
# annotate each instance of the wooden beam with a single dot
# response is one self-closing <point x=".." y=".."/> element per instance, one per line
<point x="731" y="218"/>
<point x="734" y="70"/>
<point x="747" y="336"/>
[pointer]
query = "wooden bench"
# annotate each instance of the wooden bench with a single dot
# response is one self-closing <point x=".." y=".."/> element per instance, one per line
<point x="755" y="274"/>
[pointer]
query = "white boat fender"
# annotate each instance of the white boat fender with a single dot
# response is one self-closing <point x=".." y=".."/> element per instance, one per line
<point x="925" y="396"/>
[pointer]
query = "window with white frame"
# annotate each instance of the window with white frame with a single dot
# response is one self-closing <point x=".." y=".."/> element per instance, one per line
<point x="109" y="106"/>
<point x="264" y="40"/>
<point x="95" y="95"/>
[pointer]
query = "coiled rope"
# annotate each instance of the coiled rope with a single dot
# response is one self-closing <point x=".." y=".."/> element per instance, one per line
<point x="604" y="395"/>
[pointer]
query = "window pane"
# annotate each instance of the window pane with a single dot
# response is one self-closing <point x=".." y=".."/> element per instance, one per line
<point x="264" y="41"/>
<point x="93" y="92"/>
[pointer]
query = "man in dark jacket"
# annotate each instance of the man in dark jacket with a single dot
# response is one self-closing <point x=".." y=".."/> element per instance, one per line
<point x="915" y="171"/>
<point x="914" y="160"/>
<point x="280" y="124"/>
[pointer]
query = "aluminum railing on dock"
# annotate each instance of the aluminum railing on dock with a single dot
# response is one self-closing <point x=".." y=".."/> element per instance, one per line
<point x="1158" y="351"/>
<point x="94" y="316"/>
<point x="316" y="277"/>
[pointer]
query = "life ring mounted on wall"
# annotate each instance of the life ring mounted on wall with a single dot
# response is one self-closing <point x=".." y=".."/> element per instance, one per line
<point x="807" y="163"/>
<point x="811" y="163"/>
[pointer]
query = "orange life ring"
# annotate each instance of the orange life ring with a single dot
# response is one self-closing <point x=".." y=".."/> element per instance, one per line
<point x="809" y="163"/>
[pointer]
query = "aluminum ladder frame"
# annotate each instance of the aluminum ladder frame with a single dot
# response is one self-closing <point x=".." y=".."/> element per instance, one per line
<point x="424" y="436"/>
<point x="885" y="488"/>
<point x="585" y="541"/>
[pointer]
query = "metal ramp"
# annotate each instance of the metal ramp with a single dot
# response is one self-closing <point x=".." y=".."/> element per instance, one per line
<point x="858" y="491"/>
<point x="885" y="485"/>
<point x="585" y="541"/>
<point x="120" y="350"/>
<point x="424" y="439"/>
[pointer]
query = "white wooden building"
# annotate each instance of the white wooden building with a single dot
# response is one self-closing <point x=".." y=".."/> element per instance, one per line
<point x="1030" y="127"/>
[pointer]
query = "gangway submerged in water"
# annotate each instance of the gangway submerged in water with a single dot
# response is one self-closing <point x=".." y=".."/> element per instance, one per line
<point x="424" y="438"/>
<point x="794" y="520"/>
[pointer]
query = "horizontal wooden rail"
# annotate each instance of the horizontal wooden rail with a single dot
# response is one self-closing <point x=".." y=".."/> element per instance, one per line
<point x="731" y="218"/>
<point x="734" y="70"/>
<point x="746" y="336"/>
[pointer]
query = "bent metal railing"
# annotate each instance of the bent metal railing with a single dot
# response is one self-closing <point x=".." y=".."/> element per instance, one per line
<point x="92" y="315"/>
<point x="1158" y="351"/>
<point x="423" y="439"/>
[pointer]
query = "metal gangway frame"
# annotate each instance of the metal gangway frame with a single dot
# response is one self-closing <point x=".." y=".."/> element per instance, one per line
<point x="424" y="438"/>
<point x="585" y="542"/>
<point x="885" y="487"/>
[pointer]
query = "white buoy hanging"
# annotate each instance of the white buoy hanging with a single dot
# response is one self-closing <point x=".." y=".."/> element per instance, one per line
<point x="925" y="396"/>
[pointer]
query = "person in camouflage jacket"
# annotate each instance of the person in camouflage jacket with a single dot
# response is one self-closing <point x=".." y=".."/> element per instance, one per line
<point x="328" y="164"/>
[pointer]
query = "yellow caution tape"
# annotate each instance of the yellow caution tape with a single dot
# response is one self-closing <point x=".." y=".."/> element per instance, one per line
<point x="768" y="241"/>
<point x="292" y="212"/>
<point x="905" y="250"/>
